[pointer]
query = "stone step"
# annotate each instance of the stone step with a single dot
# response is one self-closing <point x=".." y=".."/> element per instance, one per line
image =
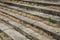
<point x="36" y="8"/>
<point x="40" y="2"/>
<point x="34" y="28"/>
<point x="25" y="31"/>
<point x="12" y="33"/>
<point x="43" y="15"/>
<point x="51" y="23"/>
<point x="43" y="2"/>
<point x="55" y="31"/>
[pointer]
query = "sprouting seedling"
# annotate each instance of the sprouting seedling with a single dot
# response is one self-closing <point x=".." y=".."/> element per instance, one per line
<point x="49" y="19"/>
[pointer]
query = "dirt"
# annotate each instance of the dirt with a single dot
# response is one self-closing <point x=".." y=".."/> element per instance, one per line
<point x="4" y="36"/>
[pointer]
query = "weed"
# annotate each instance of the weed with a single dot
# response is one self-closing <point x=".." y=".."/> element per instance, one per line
<point x="49" y="19"/>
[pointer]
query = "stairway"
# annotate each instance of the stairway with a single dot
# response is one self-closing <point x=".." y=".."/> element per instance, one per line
<point x="26" y="20"/>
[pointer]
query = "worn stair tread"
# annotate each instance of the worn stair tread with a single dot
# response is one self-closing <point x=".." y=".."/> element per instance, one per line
<point x="44" y="15"/>
<point x="36" y="7"/>
<point x="25" y="29"/>
<point x="15" y="35"/>
<point x="34" y="22"/>
<point x="43" y="2"/>
<point x="43" y="10"/>
<point x="3" y="27"/>
<point x="12" y="33"/>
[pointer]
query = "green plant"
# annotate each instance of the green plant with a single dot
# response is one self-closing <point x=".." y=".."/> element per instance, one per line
<point x="0" y="31"/>
<point x="49" y="19"/>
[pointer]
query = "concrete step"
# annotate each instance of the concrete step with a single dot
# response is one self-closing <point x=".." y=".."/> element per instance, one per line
<point x="43" y="2"/>
<point x="20" y="31"/>
<point x="39" y="24"/>
<point x="30" y="16"/>
<point x="25" y="31"/>
<point x="12" y="33"/>
<point x="43" y="15"/>
<point x="36" y="8"/>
